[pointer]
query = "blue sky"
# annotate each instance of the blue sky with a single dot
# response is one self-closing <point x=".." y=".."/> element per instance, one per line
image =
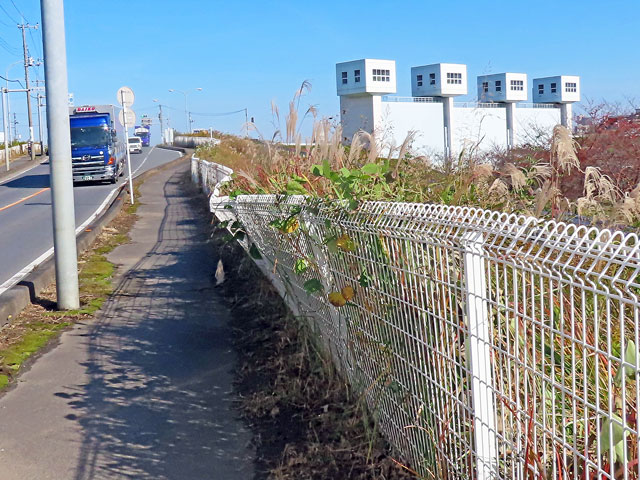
<point x="246" y="54"/>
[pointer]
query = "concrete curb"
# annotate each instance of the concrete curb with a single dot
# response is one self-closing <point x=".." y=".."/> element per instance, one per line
<point x="15" y="299"/>
<point x="177" y="149"/>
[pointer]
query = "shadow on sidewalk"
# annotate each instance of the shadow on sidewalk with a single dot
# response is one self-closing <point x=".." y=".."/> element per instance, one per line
<point x="158" y="400"/>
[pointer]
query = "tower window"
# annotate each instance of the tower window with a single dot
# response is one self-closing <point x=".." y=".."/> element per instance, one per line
<point x="380" y="75"/>
<point x="571" y="87"/>
<point x="356" y="75"/>
<point x="419" y="80"/>
<point x="454" y="78"/>
<point x="554" y="87"/>
<point x="485" y="87"/>
<point x="517" y="85"/>
<point x="498" y="85"/>
<point x="344" y="78"/>
<point x="541" y="89"/>
<point x="432" y="79"/>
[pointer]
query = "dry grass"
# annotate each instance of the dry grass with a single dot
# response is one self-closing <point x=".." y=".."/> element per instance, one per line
<point x="306" y="421"/>
<point x="529" y="182"/>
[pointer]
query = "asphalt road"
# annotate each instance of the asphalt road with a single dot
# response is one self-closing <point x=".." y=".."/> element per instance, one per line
<point x="26" y="232"/>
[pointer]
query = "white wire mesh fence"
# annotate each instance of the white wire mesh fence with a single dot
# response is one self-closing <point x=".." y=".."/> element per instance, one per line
<point x="486" y="345"/>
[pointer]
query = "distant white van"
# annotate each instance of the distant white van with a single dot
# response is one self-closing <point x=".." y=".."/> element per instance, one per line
<point x="135" y="145"/>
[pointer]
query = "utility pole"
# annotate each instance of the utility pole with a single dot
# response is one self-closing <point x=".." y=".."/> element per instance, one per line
<point x="5" y="125"/>
<point x="63" y="208"/>
<point x="39" y="96"/>
<point x="161" y="123"/>
<point x="246" y="121"/>
<point x="15" y="127"/>
<point x="27" y="63"/>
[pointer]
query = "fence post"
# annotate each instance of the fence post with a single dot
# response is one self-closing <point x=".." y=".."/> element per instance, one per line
<point x="479" y="357"/>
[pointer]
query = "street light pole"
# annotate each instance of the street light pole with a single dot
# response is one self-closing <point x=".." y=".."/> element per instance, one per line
<point x="63" y="209"/>
<point x="186" y="112"/>
<point x="160" y="118"/>
<point x="6" y="76"/>
<point x="186" y="106"/>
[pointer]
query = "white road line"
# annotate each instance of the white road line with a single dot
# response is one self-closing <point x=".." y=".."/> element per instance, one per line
<point x="144" y="160"/>
<point x="18" y="276"/>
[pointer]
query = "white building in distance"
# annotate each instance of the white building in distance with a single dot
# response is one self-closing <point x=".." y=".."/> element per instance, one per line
<point x="500" y="118"/>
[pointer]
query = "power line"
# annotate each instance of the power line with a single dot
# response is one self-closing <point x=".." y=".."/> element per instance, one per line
<point x="35" y="44"/>
<point x="200" y="114"/>
<point x="5" y="23"/>
<point x="8" y="48"/>
<point x="18" y="10"/>
<point x="223" y="114"/>
<point x="8" y="14"/>
<point x="9" y="80"/>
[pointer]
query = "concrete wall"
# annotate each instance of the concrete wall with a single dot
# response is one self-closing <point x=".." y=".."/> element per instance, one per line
<point x="357" y="113"/>
<point x="533" y="124"/>
<point x="192" y="142"/>
<point x="399" y="118"/>
<point x="481" y="128"/>
<point x="473" y="126"/>
<point x="17" y="151"/>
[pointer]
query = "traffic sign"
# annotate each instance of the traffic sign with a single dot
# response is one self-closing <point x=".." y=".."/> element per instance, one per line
<point x="125" y="96"/>
<point x="131" y="117"/>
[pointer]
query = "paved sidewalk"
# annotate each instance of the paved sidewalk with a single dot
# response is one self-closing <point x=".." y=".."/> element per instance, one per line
<point x="145" y="391"/>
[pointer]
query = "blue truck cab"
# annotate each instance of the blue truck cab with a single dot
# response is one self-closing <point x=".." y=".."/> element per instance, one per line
<point x="97" y="143"/>
<point x="144" y="133"/>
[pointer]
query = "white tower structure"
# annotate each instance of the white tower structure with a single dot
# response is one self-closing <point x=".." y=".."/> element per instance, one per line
<point x="360" y="85"/>
<point x="561" y="89"/>
<point x="443" y="127"/>
<point x="444" y="80"/>
<point x="508" y="88"/>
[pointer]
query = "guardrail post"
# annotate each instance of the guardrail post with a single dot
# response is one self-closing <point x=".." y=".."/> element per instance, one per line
<point x="479" y="357"/>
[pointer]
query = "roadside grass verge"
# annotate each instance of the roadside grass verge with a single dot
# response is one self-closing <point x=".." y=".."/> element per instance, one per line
<point x="306" y="421"/>
<point x="39" y="323"/>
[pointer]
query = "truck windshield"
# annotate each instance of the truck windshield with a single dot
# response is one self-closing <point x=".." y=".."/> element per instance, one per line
<point x="89" y="137"/>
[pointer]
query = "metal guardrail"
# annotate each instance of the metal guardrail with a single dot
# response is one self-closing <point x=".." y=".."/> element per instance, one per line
<point x="536" y="105"/>
<point x="479" y="105"/>
<point x="210" y="176"/>
<point x="192" y="142"/>
<point x="393" y="98"/>
<point x="487" y="345"/>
